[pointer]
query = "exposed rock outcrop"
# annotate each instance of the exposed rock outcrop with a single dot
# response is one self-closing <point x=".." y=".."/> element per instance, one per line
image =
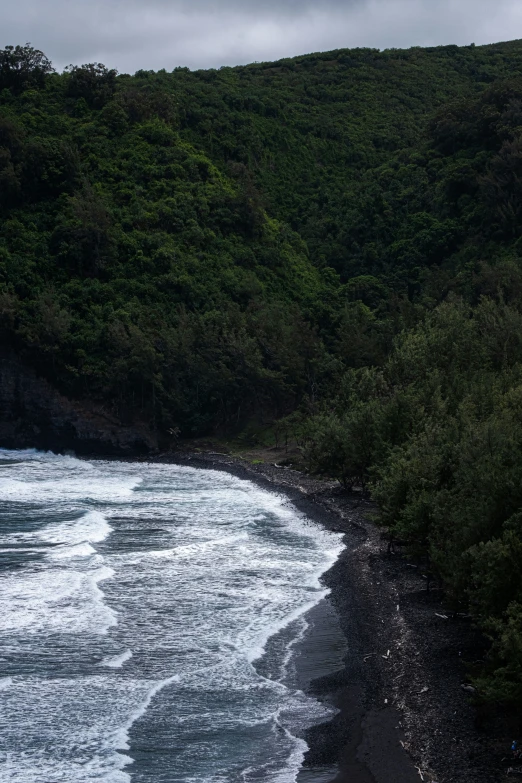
<point x="34" y="415"/>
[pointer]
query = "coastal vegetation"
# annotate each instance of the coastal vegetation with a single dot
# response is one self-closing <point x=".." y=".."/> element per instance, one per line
<point x="328" y="246"/>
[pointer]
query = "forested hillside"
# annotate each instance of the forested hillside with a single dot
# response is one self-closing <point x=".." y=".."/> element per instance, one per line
<point x="331" y="242"/>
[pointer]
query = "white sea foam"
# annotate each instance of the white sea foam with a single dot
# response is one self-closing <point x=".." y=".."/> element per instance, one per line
<point x="193" y="571"/>
<point x="296" y="758"/>
<point x="18" y="549"/>
<point x="5" y="682"/>
<point x="191" y="551"/>
<point x="117" y="661"/>
<point x="55" y="600"/>
<point x="255" y="647"/>
<point x="91" y="528"/>
<point x="302" y="629"/>
<point x="77" y="485"/>
<point x="78" y="745"/>
<point x="121" y="736"/>
<point x="75" y="538"/>
<point x="68" y="538"/>
<point x="65" y="552"/>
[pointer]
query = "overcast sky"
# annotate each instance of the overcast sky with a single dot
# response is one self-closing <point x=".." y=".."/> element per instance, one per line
<point x="153" y="34"/>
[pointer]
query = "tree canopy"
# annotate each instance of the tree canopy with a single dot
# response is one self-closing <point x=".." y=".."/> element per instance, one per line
<point x="332" y="242"/>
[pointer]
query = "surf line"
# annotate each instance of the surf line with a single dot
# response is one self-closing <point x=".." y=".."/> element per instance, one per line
<point x="122" y="735"/>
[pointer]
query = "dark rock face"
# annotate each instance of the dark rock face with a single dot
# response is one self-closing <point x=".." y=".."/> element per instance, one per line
<point x="34" y="415"/>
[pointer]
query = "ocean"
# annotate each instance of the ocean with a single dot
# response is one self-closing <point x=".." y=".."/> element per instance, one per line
<point x="149" y="619"/>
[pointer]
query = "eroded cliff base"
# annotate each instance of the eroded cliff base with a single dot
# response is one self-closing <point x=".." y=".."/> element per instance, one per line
<point x="35" y="415"/>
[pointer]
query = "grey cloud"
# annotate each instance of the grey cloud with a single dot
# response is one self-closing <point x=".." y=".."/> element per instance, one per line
<point x="132" y="34"/>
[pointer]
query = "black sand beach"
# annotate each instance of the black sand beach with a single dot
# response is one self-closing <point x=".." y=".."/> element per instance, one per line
<point x="403" y="715"/>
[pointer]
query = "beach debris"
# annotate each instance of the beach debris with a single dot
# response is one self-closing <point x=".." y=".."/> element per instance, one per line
<point x="424" y="690"/>
<point x="387" y="656"/>
<point x="419" y="770"/>
<point x="386" y="701"/>
<point x="397" y="607"/>
<point x="468" y="688"/>
<point x="442" y="616"/>
<point x="370" y="655"/>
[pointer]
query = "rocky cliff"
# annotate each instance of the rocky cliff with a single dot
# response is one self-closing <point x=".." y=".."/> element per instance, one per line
<point x="34" y="415"/>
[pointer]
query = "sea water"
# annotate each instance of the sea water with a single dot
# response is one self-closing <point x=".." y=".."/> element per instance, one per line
<point x="137" y="602"/>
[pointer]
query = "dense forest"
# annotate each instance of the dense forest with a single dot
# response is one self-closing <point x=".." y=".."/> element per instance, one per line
<point x="329" y="246"/>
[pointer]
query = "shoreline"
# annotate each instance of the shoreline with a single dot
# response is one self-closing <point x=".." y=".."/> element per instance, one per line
<point x="361" y="722"/>
<point x="403" y="716"/>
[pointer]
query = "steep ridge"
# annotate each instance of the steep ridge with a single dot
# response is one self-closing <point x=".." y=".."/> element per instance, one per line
<point x="194" y="249"/>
